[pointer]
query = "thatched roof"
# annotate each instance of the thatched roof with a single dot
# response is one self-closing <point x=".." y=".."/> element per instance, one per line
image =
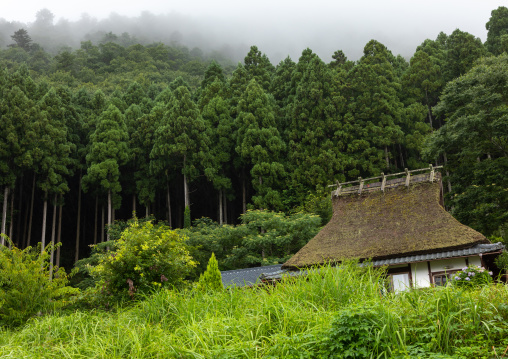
<point x="401" y="221"/>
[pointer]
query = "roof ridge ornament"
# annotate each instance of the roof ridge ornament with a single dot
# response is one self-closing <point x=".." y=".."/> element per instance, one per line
<point x="384" y="181"/>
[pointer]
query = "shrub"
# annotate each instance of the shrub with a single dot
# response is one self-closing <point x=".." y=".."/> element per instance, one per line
<point x="211" y="279"/>
<point x="81" y="273"/>
<point x="472" y="277"/>
<point x="25" y="285"/>
<point x="355" y="333"/>
<point x="147" y="257"/>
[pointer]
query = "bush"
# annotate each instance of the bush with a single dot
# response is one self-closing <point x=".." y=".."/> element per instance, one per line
<point x="81" y="273"/>
<point x="472" y="277"/>
<point x="361" y="332"/>
<point x="147" y="257"/>
<point x="25" y="285"/>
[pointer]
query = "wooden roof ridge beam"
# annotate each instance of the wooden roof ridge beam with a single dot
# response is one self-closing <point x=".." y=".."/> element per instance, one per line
<point x="383" y="183"/>
<point x="362" y="182"/>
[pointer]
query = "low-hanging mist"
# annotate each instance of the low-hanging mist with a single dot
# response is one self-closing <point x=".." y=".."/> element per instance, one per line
<point x="280" y="30"/>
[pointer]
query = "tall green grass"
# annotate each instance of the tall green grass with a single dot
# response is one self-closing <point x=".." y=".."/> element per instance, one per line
<point x="296" y="318"/>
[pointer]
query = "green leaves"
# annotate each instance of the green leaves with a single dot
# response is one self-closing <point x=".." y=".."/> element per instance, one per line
<point x="263" y="238"/>
<point x="25" y="286"/>
<point x="316" y="142"/>
<point x="108" y="151"/>
<point x="259" y="145"/>
<point x="497" y="27"/>
<point x="180" y="132"/>
<point x="147" y="257"/>
<point x="475" y="139"/>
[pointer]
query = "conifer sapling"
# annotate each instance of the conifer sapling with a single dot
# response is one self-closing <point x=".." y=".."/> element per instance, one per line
<point x="211" y="279"/>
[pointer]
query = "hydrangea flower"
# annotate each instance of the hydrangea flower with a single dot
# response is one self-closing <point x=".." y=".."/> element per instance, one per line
<point x="471" y="276"/>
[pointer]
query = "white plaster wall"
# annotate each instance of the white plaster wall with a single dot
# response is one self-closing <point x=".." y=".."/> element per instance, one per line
<point x="420" y="275"/>
<point x="476" y="261"/>
<point x="453" y="264"/>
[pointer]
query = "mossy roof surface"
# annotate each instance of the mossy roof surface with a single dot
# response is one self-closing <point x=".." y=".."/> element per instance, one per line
<point x="399" y="222"/>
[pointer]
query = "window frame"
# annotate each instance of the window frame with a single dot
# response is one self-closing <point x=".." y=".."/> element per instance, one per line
<point x="447" y="273"/>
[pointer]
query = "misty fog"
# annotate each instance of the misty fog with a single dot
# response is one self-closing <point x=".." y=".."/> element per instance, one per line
<point x="279" y="32"/>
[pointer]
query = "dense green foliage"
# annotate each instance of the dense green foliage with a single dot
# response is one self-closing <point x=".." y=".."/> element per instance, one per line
<point x="263" y="238"/>
<point x="475" y="140"/>
<point x="117" y="128"/>
<point x="26" y="285"/>
<point x="116" y="125"/>
<point x="145" y="257"/>
<point x="312" y="318"/>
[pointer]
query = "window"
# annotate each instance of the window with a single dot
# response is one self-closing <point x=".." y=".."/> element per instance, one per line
<point x="399" y="282"/>
<point x="441" y="278"/>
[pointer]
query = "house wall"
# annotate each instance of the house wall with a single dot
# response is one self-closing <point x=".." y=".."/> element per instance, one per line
<point x="420" y="274"/>
<point x="420" y="270"/>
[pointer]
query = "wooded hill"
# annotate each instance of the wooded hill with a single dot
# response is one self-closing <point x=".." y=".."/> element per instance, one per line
<point x="96" y="133"/>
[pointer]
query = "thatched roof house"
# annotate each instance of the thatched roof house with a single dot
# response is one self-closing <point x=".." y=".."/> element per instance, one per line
<point x="400" y="223"/>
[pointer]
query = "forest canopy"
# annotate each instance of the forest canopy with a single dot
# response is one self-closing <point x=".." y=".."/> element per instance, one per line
<point x="117" y="126"/>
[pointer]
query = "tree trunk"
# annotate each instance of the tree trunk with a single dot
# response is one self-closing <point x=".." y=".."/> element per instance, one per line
<point x="25" y="227"/>
<point x="19" y="236"/>
<point x="133" y="205"/>
<point x="225" y="207"/>
<point x="169" y="204"/>
<point x="95" y="222"/>
<point x="147" y="211"/>
<point x="102" y="226"/>
<point x="59" y="236"/>
<point x="53" y="233"/>
<point x="4" y="213"/>
<point x="11" y="226"/>
<point x="31" y="214"/>
<point x="78" y="221"/>
<point x="221" y="215"/>
<point x="44" y="218"/>
<point x="185" y="185"/>
<point x="186" y="192"/>
<point x="109" y="213"/>
<point x="401" y="157"/>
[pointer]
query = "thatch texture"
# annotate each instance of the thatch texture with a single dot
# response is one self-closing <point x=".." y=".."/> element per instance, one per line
<point x="399" y="222"/>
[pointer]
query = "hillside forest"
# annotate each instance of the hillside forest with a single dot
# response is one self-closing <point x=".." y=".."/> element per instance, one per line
<point x="115" y="129"/>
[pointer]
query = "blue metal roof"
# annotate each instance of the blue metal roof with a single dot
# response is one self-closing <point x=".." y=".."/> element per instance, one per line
<point x="247" y="276"/>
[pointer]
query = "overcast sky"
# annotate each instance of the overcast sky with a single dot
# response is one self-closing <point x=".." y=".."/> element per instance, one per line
<point x="289" y="26"/>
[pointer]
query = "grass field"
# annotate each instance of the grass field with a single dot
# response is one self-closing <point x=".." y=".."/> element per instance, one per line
<point x="333" y="313"/>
